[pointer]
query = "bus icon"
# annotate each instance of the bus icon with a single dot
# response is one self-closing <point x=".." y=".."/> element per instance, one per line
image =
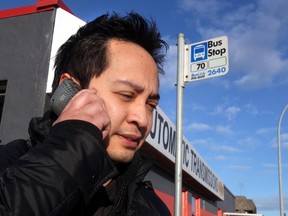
<point x="199" y="52"/>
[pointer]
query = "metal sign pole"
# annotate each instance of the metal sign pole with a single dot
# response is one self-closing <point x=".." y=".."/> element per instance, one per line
<point x="203" y="60"/>
<point x="178" y="158"/>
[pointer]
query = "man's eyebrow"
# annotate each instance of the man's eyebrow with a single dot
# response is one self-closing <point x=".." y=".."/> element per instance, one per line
<point x="136" y="87"/>
<point x="155" y="97"/>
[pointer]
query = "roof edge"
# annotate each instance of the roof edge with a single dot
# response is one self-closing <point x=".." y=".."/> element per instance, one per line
<point x="40" y="6"/>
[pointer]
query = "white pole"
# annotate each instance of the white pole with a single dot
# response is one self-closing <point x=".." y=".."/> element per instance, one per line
<point x="280" y="163"/>
<point x="179" y="137"/>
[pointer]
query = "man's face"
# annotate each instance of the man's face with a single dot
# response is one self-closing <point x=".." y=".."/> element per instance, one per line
<point x="129" y="87"/>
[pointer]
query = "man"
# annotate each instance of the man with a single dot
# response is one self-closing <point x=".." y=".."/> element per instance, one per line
<point x="85" y="161"/>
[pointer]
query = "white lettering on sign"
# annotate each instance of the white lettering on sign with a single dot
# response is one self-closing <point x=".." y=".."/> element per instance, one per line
<point x="163" y="138"/>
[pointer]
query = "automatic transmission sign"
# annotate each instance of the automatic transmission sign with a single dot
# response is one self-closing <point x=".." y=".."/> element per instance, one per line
<point x="206" y="59"/>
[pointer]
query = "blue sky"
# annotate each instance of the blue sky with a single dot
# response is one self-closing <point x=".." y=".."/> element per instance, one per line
<point x="231" y="120"/>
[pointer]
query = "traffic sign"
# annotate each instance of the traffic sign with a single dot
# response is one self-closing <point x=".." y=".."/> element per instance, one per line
<point x="206" y="59"/>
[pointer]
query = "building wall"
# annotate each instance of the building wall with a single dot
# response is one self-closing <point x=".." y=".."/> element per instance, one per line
<point x="229" y="203"/>
<point x="163" y="183"/>
<point x="25" y="43"/>
<point x="193" y="202"/>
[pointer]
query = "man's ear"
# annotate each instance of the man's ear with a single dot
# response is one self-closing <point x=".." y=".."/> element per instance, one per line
<point x="67" y="76"/>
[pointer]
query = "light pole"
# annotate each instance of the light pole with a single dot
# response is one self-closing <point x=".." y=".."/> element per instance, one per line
<point x="280" y="162"/>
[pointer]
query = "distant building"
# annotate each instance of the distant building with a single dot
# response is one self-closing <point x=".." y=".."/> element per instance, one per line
<point x="244" y="205"/>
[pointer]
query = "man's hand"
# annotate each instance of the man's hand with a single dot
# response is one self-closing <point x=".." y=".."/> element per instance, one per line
<point x="87" y="106"/>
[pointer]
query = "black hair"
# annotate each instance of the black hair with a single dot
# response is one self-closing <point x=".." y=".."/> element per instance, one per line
<point x="84" y="54"/>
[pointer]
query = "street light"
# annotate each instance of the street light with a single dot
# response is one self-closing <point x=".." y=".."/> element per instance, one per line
<point x="280" y="163"/>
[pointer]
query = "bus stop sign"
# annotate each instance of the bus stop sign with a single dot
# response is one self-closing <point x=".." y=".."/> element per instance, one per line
<point x="206" y="59"/>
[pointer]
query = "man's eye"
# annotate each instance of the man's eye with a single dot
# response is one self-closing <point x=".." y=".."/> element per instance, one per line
<point x="126" y="95"/>
<point x="152" y="106"/>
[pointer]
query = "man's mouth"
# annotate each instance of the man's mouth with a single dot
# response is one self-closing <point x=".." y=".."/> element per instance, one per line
<point x="131" y="140"/>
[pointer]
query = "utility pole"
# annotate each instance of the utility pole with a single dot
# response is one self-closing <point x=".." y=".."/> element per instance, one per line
<point x="280" y="162"/>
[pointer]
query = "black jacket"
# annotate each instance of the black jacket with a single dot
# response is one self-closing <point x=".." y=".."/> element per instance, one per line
<point x="60" y="170"/>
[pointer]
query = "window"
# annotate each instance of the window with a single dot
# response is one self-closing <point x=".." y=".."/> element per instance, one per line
<point x="3" y="85"/>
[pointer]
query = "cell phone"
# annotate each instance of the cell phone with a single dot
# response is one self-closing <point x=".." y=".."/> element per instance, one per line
<point x="63" y="94"/>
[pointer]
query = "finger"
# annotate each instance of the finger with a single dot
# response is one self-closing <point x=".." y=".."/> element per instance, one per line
<point x="81" y="98"/>
<point x="87" y="106"/>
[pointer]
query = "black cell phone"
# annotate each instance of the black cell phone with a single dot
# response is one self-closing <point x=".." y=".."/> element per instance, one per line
<point x="63" y="94"/>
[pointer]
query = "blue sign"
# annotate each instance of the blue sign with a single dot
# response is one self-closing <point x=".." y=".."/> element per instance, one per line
<point x="199" y="52"/>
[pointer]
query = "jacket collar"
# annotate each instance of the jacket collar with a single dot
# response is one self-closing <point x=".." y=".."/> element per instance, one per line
<point x="39" y="127"/>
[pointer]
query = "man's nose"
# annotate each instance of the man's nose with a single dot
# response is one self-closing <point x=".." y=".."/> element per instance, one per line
<point x="138" y="114"/>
